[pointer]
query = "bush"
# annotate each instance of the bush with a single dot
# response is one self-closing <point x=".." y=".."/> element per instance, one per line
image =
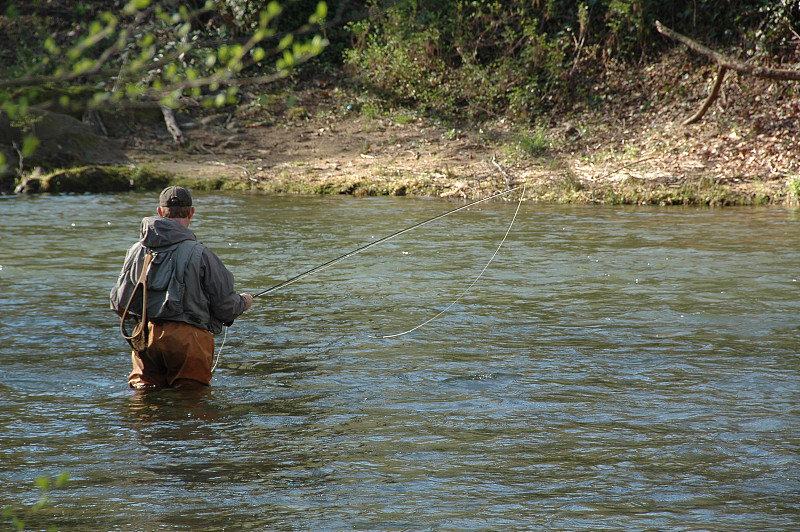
<point x="481" y="58"/>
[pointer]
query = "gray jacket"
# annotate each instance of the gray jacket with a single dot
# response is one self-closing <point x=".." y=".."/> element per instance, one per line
<point x="187" y="282"/>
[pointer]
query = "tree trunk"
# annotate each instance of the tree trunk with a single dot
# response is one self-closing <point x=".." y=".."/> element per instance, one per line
<point x="172" y="124"/>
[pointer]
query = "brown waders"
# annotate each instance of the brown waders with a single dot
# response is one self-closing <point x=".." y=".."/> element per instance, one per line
<point x="178" y="355"/>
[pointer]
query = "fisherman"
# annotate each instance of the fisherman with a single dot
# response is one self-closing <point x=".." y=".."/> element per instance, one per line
<point x="190" y="295"/>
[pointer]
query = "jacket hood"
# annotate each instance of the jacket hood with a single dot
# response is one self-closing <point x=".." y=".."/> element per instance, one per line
<point x="159" y="232"/>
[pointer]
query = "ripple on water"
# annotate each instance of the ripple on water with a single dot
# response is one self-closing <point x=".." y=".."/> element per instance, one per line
<point x="614" y="368"/>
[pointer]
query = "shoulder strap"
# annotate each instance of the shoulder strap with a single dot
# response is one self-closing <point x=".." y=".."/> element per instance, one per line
<point x="148" y="259"/>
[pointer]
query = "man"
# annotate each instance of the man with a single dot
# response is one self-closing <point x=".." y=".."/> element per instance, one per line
<point x="190" y="295"/>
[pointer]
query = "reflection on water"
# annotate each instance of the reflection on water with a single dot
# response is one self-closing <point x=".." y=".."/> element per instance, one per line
<point x="614" y="369"/>
<point x="155" y="405"/>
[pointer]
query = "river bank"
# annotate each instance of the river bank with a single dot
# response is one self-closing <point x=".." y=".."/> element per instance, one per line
<point x="623" y="144"/>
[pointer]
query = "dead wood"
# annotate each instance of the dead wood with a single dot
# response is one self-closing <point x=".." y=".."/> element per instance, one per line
<point x="172" y="124"/>
<point x="725" y="63"/>
<point x="711" y="97"/>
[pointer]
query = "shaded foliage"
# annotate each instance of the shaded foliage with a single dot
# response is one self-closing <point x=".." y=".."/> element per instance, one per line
<point x="111" y="54"/>
<point x="482" y="58"/>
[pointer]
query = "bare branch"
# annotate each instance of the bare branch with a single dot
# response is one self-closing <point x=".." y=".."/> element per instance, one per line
<point x="711" y="97"/>
<point x="727" y="62"/>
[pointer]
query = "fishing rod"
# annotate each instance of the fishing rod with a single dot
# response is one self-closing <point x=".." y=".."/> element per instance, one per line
<point x="344" y="256"/>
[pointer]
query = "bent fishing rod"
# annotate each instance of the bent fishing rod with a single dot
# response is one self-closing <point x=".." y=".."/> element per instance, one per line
<point x="344" y="256"/>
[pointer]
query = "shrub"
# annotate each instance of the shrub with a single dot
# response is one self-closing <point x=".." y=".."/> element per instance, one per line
<point x="480" y="58"/>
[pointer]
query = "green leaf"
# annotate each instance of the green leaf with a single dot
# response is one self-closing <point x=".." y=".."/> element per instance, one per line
<point x="319" y="16"/>
<point x="73" y="53"/>
<point x="257" y="54"/>
<point x="274" y="9"/>
<point x="29" y="145"/>
<point x="287" y="61"/>
<point x="41" y="482"/>
<point x="236" y="51"/>
<point x="318" y="43"/>
<point x="286" y="42"/>
<point x="95" y="27"/>
<point x="51" y="46"/>
<point x="134" y="91"/>
<point x="41" y="503"/>
<point x="136" y="5"/>
<point x="98" y="98"/>
<point x="162" y="15"/>
<point x="62" y="479"/>
<point x="82" y="66"/>
<point x="223" y="53"/>
<point x="146" y="41"/>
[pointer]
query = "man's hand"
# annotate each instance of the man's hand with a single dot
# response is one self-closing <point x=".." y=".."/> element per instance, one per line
<point x="248" y="300"/>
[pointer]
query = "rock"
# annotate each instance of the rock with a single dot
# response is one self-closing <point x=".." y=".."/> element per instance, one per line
<point x="64" y="141"/>
<point x="571" y="132"/>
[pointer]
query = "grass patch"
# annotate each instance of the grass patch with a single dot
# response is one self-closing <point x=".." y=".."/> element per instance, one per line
<point x="793" y="187"/>
<point x="533" y="143"/>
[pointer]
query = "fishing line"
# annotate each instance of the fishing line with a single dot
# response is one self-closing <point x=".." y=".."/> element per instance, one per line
<point x="219" y="352"/>
<point x="462" y="294"/>
<point x="340" y="258"/>
<point x="356" y="251"/>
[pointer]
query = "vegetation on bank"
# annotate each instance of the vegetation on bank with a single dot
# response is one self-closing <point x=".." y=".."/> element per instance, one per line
<point x="95" y="179"/>
<point x="524" y="60"/>
<point x="572" y="92"/>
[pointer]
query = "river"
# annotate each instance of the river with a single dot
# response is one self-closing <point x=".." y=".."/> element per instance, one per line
<point x="614" y="368"/>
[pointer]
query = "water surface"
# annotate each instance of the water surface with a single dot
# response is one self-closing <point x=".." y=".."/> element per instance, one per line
<point x="614" y="369"/>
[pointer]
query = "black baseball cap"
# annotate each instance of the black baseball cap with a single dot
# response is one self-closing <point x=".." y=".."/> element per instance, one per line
<point x="175" y="197"/>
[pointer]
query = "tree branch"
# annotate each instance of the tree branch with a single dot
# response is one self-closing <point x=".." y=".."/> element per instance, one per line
<point x="724" y="63"/>
<point x="728" y="62"/>
<point x="711" y="97"/>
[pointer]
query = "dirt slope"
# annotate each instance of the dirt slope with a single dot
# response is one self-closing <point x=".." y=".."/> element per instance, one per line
<point x="630" y="147"/>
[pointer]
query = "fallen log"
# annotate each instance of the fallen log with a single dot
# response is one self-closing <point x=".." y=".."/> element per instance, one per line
<point x="724" y="63"/>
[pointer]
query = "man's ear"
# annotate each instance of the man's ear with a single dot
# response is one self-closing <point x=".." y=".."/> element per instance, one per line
<point x="191" y="213"/>
<point x="159" y="211"/>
